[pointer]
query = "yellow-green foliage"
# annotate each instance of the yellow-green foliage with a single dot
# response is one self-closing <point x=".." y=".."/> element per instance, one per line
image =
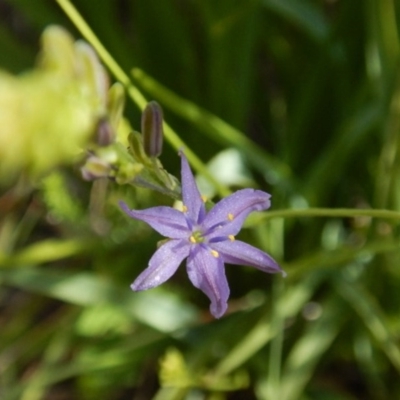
<point x="48" y="114"/>
<point x="59" y="200"/>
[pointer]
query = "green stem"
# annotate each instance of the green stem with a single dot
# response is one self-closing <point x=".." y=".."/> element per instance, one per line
<point x="277" y="321"/>
<point x="276" y="345"/>
<point x="324" y="212"/>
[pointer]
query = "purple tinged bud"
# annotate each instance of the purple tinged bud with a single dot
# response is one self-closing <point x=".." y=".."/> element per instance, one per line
<point x="152" y="129"/>
<point x="105" y="134"/>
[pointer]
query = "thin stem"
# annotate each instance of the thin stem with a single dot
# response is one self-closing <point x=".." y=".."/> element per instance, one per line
<point x="277" y="321"/>
<point x="325" y="212"/>
<point x="276" y="345"/>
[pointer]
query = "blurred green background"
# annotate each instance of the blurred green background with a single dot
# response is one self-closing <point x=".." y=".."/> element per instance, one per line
<point x="300" y="98"/>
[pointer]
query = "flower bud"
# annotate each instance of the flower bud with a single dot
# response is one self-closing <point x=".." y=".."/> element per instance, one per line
<point x="104" y="132"/>
<point x="95" y="168"/>
<point x="152" y="129"/>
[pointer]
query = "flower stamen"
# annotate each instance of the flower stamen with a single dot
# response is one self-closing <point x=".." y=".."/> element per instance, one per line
<point x="231" y="238"/>
<point x="214" y="253"/>
<point x="196" y="237"/>
<point x="230" y="217"/>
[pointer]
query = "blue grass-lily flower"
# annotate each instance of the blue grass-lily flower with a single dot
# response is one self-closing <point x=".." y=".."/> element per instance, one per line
<point x="206" y="239"/>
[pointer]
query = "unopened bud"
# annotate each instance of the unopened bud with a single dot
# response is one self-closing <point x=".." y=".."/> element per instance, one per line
<point x="104" y="133"/>
<point x="95" y="168"/>
<point x="152" y="129"/>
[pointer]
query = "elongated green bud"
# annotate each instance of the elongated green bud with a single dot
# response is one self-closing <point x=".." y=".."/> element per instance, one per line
<point x="152" y="129"/>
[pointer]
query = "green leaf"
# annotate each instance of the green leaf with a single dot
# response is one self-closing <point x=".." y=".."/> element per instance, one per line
<point x="164" y="312"/>
<point x="302" y="14"/>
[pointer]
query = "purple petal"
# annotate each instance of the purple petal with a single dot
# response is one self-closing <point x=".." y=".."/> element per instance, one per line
<point x="238" y="252"/>
<point x="162" y="265"/>
<point x="167" y="221"/>
<point x="207" y="273"/>
<point x="190" y="193"/>
<point x="227" y="216"/>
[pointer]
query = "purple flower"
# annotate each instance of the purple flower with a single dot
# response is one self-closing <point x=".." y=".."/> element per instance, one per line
<point x="206" y="239"/>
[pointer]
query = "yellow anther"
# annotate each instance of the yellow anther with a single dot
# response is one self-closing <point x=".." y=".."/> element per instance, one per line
<point x="215" y="253"/>
<point x="230" y="217"/>
<point x="192" y="239"/>
<point x="231" y="238"/>
<point x="184" y="208"/>
<point x="204" y="198"/>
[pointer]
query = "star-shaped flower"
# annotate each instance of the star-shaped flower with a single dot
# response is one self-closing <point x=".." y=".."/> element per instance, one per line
<point x="206" y="239"/>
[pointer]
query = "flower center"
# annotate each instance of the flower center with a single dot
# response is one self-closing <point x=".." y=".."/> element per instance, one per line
<point x="196" y="237"/>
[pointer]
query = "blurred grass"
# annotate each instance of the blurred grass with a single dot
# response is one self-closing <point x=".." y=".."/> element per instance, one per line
<point x="308" y="94"/>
